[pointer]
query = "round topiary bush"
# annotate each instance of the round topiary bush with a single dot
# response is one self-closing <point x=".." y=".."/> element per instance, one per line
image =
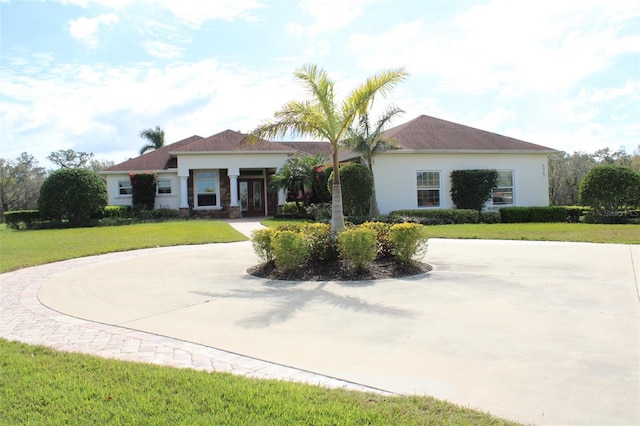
<point x="76" y="195"/>
<point x="610" y="190"/>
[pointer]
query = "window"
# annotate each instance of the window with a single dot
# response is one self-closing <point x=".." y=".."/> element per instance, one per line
<point x="164" y="186"/>
<point x="124" y="187"/>
<point x="206" y="189"/>
<point x="428" y="184"/>
<point x="503" y="194"/>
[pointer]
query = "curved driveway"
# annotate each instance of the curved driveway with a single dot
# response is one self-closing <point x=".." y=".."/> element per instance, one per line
<point x="538" y="332"/>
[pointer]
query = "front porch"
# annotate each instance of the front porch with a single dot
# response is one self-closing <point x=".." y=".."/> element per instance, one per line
<point x="225" y="193"/>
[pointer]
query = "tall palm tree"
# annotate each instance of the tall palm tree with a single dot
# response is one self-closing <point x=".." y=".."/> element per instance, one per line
<point x="368" y="143"/>
<point x="155" y="138"/>
<point x="319" y="116"/>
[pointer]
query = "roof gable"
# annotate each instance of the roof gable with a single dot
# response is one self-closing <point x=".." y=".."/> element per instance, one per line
<point x="429" y="133"/>
<point x="159" y="159"/>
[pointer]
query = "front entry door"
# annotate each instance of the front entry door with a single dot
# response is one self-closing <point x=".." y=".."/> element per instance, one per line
<point x="251" y="194"/>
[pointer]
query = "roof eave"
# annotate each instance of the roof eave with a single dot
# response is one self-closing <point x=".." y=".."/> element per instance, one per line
<point x="467" y="151"/>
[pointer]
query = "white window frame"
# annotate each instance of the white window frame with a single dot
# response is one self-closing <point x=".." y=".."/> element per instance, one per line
<point x="505" y="189"/>
<point x="169" y="187"/>
<point x="127" y="187"/>
<point x="215" y="187"/>
<point x="429" y="188"/>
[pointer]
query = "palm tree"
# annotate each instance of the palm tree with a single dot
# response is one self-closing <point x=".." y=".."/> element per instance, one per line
<point x="155" y="138"/>
<point x="369" y="142"/>
<point x="297" y="174"/>
<point x="320" y="117"/>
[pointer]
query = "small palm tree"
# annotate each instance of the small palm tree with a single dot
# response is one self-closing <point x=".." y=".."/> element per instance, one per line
<point x="297" y="174"/>
<point x="320" y="117"/>
<point x="368" y="143"/>
<point x="155" y="138"/>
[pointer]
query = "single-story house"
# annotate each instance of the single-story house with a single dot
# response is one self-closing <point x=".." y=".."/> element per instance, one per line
<point x="225" y="176"/>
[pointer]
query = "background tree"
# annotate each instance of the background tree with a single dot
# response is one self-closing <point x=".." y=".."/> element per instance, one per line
<point x="367" y="140"/>
<point x="20" y="182"/>
<point x="155" y="138"/>
<point x="610" y="189"/>
<point x="73" y="194"/>
<point x="565" y="174"/>
<point x="70" y="159"/>
<point x="321" y="117"/>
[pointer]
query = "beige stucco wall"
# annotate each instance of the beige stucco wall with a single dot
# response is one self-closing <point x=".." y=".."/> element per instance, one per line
<point x="395" y="176"/>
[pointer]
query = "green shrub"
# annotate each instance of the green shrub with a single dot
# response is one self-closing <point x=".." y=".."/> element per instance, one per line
<point x="545" y="214"/>
<point x="435" y="216"/>
<point x="290" y="250"/>
<point x="409" y="240"/>
<point x="384" y="247"/>
<point x="610" y="190"/>
<point x="470" y="189"/>
<point x="357" y="187"/>
<point x="143" y="187"/>
<point x="290" y="207"/>
<point x="261" y="239"/>
<point x="116" y="211"/>
<point x="319" y="212"/>
<point x="321" y="245"/>
<point x="73" y="194"/>
<point x="490" y="217"/>
<point x="21" y="219"/>
<point x="357" y="246"/>
<point x="164" y="213"/>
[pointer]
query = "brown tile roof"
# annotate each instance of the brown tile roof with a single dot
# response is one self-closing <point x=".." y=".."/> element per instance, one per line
<point x="429" y="133"/>
<point x="153" y="160"/>
<point x="230" y="141"/>
<point x="309" y="147"/>
<point x="421" y="133"/>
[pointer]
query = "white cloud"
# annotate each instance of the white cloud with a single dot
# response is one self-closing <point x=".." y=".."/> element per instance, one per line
<point x="328" y="15"/>
<point x="195" y="12"/>
<point x="102" y="110"/>
<point x="84" y="29"/>
<point x="513" y="47"/>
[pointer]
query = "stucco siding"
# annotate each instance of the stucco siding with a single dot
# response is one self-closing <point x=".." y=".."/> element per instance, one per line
<point x="171" y="201"/>
<point x="396" y="186"/>
<point x="232" y="162"/>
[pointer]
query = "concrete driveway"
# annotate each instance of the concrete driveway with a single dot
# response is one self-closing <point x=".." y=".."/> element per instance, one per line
<point x="538" y="332"/>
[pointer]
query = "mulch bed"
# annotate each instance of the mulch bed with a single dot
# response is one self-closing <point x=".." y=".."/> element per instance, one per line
<point x="339" y="271"/>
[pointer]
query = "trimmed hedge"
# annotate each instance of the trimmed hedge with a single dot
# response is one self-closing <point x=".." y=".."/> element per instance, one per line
<point x="117" y="211"/>
<point x="435" y="217"/>
<point x="546" y="214"/>
<point x="21" y="219"/>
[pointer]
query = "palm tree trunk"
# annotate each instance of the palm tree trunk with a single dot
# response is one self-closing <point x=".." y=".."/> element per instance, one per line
<point x="373" y="202"/>
<point x="337" y="215"/>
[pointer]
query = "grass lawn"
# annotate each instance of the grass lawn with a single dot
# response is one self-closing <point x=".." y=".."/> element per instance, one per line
<point x="20" y="249"/>
<point x="42" y="386"/>
<point x="574" y="232"/>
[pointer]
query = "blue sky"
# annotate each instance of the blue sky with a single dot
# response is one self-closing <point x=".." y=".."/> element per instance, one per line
<point x="91" y="74"/>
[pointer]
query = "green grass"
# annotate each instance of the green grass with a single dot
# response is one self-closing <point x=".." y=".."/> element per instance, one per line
<point x="571" y="232"/>
<point x="42" y="386"/>
<point x="20" y="249"/>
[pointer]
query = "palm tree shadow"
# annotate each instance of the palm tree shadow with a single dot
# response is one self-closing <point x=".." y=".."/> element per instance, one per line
<point x="287" y="300"/>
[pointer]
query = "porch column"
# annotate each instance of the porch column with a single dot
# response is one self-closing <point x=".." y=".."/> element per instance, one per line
<point x="184" y="192"/>
<point x="233" y="187"/>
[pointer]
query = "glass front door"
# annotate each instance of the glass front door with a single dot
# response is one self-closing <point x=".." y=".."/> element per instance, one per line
<point x="251" y="194"/>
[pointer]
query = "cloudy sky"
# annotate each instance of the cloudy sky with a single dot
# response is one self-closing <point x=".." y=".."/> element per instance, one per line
<point x="91" y="74"/>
